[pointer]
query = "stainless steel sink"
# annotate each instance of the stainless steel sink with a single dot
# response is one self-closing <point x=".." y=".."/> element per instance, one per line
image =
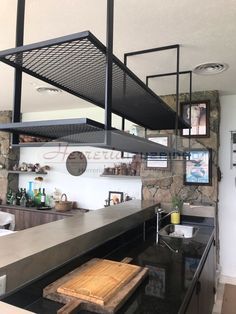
<point x="178" y="231"/>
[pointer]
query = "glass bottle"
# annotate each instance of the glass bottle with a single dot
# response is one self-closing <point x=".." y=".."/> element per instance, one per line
<point x="43" y="198"/>
<point x="30" y="194"/>
<point x="9" y="195"/>
<point x="18" y="197"/>
<point x="30" y="191"/>
<point x="13" y="199"/>
<point x="37" y="199"/>
<point x="23" y="199"/>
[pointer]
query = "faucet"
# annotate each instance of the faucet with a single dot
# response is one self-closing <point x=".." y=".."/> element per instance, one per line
<point x="159" y="211"/>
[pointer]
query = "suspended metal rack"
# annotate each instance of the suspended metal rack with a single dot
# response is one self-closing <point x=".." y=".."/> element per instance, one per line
<point x="84" y="131"/>
<point x="81" y="65"/>
<point x="77" y="64"/>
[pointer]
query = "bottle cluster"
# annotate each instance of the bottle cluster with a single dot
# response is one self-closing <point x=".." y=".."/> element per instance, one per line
<point x="36" y="198"/>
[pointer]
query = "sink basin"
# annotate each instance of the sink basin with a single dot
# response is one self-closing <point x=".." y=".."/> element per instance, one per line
<point x="179" y="231"/>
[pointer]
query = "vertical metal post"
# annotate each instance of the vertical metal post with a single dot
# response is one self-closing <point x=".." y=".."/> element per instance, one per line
<point x="177" y="93"/>
<point x="190" y="108"/>
<point x="18" y="73"/>
<point x="124" y="90"/>
<point x="109" y="60"/>
<point x="177" y="100"/>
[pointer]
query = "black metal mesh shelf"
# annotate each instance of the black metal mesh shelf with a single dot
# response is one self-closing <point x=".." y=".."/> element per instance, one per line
<point x="84" y="132"/>
<point x="77" y="63"/>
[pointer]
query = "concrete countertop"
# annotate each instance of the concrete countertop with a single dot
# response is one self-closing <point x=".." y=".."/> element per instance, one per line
<point x="31" y="253"/>
<point x="10" y="309"/>
<point x="52" y="211"/>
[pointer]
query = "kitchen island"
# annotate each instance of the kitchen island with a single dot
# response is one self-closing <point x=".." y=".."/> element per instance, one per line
<point x="29" y="254"/>
<point x="181" y="281"/>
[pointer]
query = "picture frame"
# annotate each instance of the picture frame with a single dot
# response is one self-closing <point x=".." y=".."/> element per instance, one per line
<point x="115" y="198"/>
<point x="198" y="167"/>
<point x="200" y="126"/>
<point x="158" y="162"/>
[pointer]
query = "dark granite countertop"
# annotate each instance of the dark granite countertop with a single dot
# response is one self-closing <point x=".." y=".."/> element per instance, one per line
<point x="172" y="275"/>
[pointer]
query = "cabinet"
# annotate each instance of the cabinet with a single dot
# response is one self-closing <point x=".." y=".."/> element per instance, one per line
<point x="27" y="218"/>
<point x="203" y="296"/>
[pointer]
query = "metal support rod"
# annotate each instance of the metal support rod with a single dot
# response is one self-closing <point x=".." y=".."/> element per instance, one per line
<point x="190" y="108"/>
<point x="133" y="53"/>
<point x="16" y="115"/>
<point x="167" y="74"/>
<point x="109" y="61"/>
<point x="177" y="95"/>
<point x="124" y="91"/>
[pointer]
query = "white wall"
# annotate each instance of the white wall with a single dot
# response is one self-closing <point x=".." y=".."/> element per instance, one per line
<point x="227" y="189"/>
<point x="89" y="190"/>
<point x="95" y="113"/>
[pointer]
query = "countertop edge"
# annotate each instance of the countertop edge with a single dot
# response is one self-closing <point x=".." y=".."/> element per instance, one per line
<point x="109" y="222"/>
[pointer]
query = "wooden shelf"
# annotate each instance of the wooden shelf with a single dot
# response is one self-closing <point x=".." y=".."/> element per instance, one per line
<point x="119" y="176"/>
<point x="27" y="172"/>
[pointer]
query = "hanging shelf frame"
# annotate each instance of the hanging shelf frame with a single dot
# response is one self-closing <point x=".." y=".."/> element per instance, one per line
<point x="77" y="64"/>
<point x="81" y="65"/>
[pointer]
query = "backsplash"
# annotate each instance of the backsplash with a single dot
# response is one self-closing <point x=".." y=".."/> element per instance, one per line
<point x="162" y="185"/>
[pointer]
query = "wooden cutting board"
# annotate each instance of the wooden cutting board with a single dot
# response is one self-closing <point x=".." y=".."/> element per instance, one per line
<point x="100" y="286"/>
<point x="99" y="280"/>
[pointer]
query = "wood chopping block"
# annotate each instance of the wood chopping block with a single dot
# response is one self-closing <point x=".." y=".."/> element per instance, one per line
<point x="100" y="285"/>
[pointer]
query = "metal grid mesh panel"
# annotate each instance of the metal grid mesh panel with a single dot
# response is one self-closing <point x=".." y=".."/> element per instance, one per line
<point x="84" y="132"/>
<point x="78" y="66"/>
<point x="73" y="132"/>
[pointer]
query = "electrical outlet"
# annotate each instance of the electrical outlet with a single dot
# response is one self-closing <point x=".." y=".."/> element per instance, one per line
<point x="3" y="280"/>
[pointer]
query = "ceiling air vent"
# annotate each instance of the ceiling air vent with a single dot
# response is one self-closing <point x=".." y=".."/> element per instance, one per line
<point x="48" y="90"/>
<point x="210" y="68"/>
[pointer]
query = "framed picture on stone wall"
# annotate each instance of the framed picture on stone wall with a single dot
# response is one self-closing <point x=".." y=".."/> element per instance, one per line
<point x="199" y="113"/>
<point x="198" y="167"/>
<point x="160" y="161"/>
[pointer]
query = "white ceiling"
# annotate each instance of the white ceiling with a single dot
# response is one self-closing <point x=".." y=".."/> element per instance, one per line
<point x="205" y="29"/>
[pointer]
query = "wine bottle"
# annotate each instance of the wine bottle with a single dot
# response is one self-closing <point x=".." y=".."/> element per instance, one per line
<point x="43" y="198"/>
<point x="37" y="199"/>
<point x="9" y="195"/>
<point x="23" y="199"/>
<point x="18" y="197"/>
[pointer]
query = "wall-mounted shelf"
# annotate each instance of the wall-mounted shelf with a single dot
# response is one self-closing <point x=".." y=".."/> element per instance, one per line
<point x="77" y="64"/>
<point x="27" y="172"/>
<point x="119" y="176"/>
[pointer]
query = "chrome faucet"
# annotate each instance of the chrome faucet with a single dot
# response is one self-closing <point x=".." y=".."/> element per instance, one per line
<point x="159" y="211"/>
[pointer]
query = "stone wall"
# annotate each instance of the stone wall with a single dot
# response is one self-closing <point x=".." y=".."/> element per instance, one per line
<point x="8" y="157"/>
<point x="162" y="185"/>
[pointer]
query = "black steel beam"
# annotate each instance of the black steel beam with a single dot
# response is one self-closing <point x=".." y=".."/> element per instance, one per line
<point x="16" y="115"/>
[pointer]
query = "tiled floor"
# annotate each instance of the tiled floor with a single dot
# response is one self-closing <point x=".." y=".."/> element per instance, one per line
<point x="219" y="299"/>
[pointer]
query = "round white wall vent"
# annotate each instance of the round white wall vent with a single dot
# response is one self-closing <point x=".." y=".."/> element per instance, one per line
<point x="210" y="68"/>
<point x="48" y="90"/>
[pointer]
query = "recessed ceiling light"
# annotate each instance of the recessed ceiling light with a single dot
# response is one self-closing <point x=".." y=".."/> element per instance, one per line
<point x="48" y="90"/>
<point x="210" y="68"/>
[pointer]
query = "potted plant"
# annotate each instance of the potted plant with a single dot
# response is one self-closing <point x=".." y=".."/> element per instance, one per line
<point x="177" y="202"/>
